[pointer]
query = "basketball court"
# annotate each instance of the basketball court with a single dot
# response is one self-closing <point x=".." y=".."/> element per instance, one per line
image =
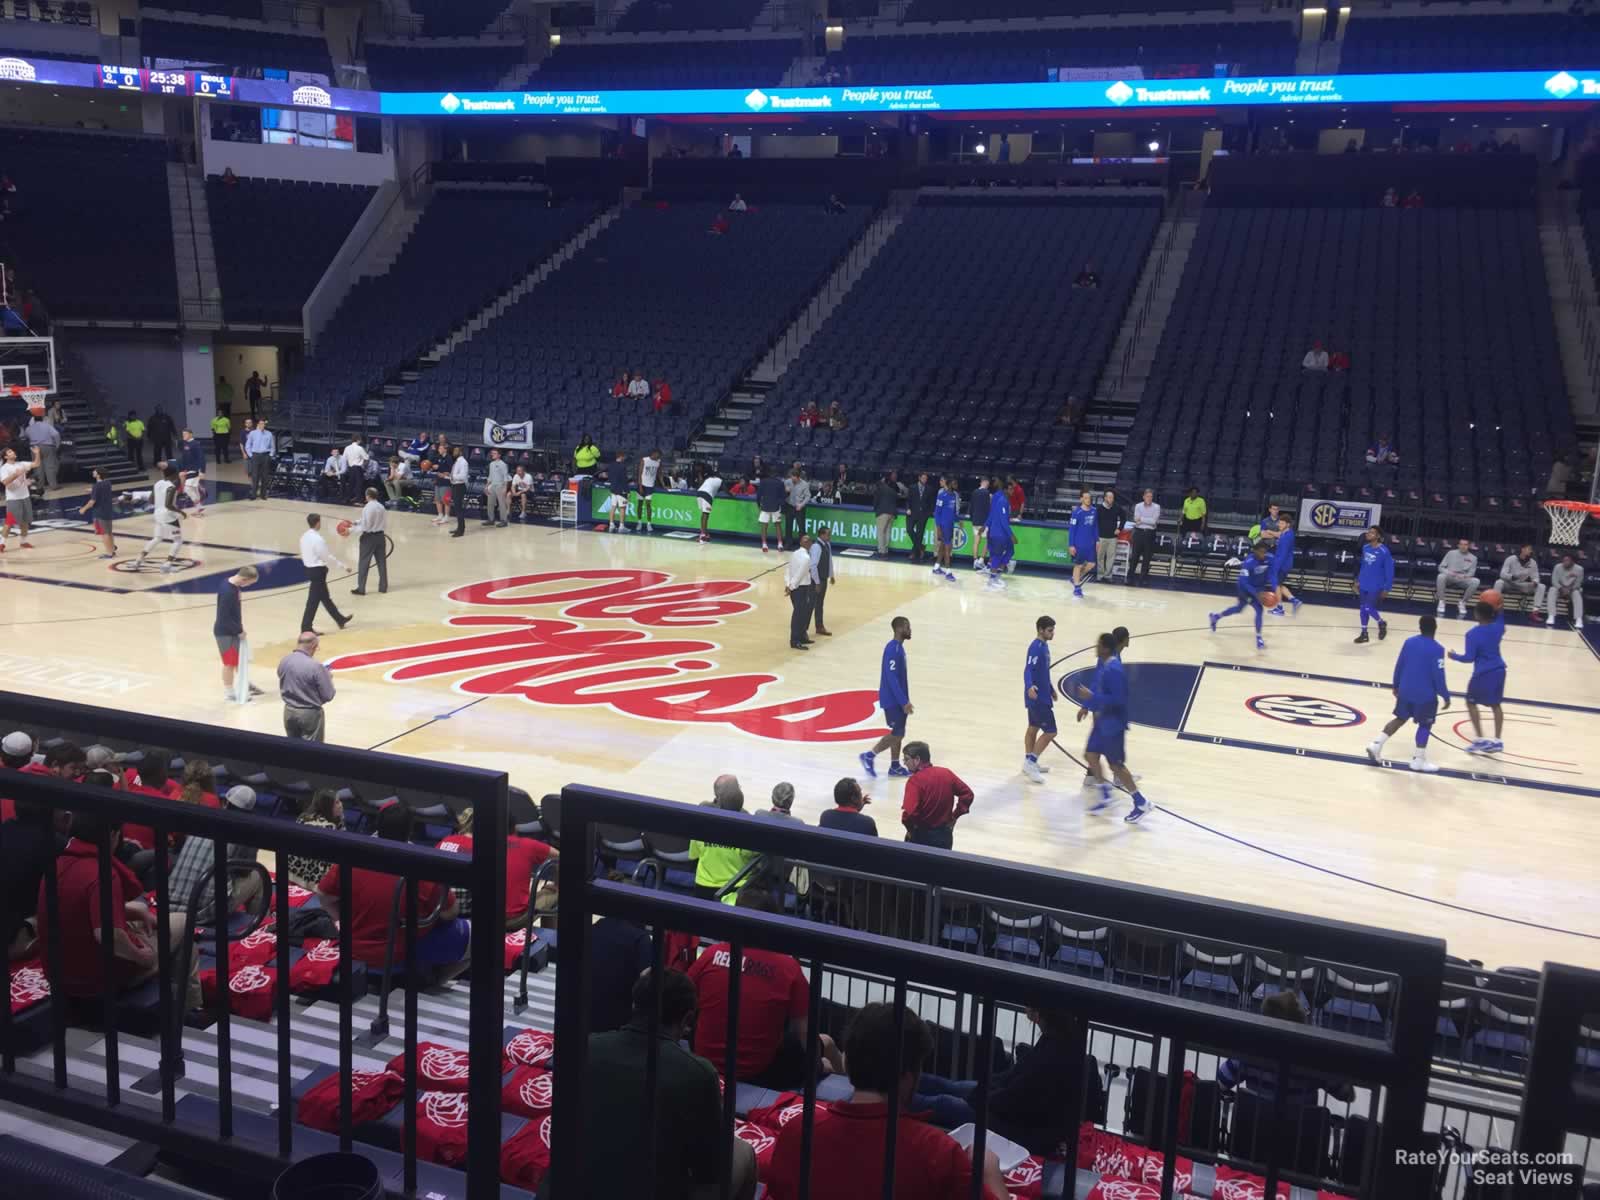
<point x="654" y="663"/>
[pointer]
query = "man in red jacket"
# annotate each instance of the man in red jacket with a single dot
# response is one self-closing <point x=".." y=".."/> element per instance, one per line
<point x="935" y="799"/>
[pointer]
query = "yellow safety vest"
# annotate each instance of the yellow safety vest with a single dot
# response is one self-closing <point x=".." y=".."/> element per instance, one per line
<point x="135" y="428"/>
<point x="220" y="425"/>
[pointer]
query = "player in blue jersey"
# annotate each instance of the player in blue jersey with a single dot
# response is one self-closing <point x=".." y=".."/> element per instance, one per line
<point x="1283" y="563"/>
<point x="1420" y="694"/>
<point x="1373" y="581"/>
<point x="1487" y="687"/>
<point x="894" y="697"/>
<point x="1002" y="542"/>
<point x="1040" y="698"/>
<point x="1083" y="534"/>
<point x="1108" y="701"/>
<point x="1256" y="575"/>
<point x="945" y="505"/>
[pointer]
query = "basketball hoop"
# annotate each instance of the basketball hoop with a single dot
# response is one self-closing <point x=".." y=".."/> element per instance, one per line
<point x="31" y="397"/>
<point x="1566" y="518"/>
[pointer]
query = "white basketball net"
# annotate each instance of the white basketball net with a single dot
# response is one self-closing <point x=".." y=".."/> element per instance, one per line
<point x="1565" y="523"/>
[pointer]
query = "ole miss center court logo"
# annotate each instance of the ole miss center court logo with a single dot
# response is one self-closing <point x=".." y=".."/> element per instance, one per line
<point x="1304" y="710"/>
<point x="559" y="660"/>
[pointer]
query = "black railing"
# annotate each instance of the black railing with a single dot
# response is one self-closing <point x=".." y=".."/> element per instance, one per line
<point x="1561" y="1095"/>
<point x="482" y="875"/>
<point x="1398" y="1066"/>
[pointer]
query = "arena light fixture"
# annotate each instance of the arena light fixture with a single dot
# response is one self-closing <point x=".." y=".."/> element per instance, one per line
<point x="1154" y="147"/>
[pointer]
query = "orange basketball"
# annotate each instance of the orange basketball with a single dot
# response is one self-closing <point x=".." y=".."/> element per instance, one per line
<point x="1270" y="599"/>
<point x="425" y="466"/>
<point x="1492" y="598"/>
<point x="36" y="409"/>
<point x="344" y="528"/>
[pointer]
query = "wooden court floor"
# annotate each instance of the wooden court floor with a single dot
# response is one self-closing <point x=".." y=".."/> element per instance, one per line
<point x="653" y="663"/>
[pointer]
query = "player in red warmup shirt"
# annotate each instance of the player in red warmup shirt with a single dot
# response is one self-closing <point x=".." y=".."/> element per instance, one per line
<point x="848" y="1138"/>
<point x="524" y="856"/>
<point x="773" y="1000"/>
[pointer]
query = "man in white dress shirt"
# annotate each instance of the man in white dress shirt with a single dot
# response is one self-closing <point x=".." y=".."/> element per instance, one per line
<point x="373" y="524"/>
<point x="317" y="558"/>
<point x="459" y="472"/>
<point x="355" y="468"/>
<point x="259" y="449"/>
<point x="799" y="579"/>
<point x="333" y="477"/>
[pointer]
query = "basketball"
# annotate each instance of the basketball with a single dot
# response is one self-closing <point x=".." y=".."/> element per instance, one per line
<point x="36" y="410"/>
<point x="425" y="465"/>
<point x="344" y="528"/>
<point x="1492" y="598"/>
<point x="1270" y="599"/>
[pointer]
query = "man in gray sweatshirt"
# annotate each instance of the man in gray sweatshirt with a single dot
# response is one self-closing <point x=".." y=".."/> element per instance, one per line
<point x="1519" y="575"/>
<point x="1566" y="583"/>
<point x="1459" y="568"/>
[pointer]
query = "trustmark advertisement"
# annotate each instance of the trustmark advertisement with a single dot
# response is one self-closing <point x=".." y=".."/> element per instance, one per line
<point x="848" y="526"/>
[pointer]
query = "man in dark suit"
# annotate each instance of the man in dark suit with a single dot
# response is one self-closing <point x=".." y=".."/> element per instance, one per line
<point x="923" y="497"/>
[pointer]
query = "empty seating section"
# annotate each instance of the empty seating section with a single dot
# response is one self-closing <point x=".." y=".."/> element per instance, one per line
<point x="647" y="15"/>
<point x="274" y="238"/>
<point x="961" y="343"/>
<point x="424" y="68"/>
<point x="973" y="10"/>
<point x="248" y="9"/>
<point x="1521" y="41"/>
<point x="655" y="292"/>
<point x="668" y="64"/>
<point x="214" y="44"/>
<point x="457" y="18"/>
<point x="470" y="245"/>
<point x="1254" y="48"/>
<point x="83" y="262"/>
<point x="1445" y="314"/>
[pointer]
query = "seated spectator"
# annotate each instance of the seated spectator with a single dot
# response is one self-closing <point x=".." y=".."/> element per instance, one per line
<point x="836" y="418"/>
<point x="332" y="483"/>
<point x="366" y="899"/>
<point x="677" y="481"/>
<point x="524" y="856"/>
<point x="1338" y="360"/>
<point x="720" y="225"/>
<point x="1261" y="1078"/>
<point x="1015" y="497"/>
<point x="1413" y="199"/>
<point x="738" y="204"/>
<point x="1520" y="576"/>
<point x="663" y="397"/>
<point x="1087" y="278"/>
<point x="620" y="951"/>
<point x="521" y="489"/>
<point x="16" y="754"/>
<point x="325" y="811"/>
<point x="397" y="480"/>
<point x="835" y="205"/>
<point x="620" y="388"/>
<point x="198" y="780"/>
<point x="1566" y="583"/>
<point x="1560" y="476"/>
<point x="742" y="487"/>
<point x="229" y="179"/>
<point x="1391" y="198"/>
<point x="773" y="1001"/>
<point x="782" y="804"/>
<point x="717" y="866"/>
<point x="1382" y="452"/>
<point x="416" y="449"/>
<point x="847" y="1139"/>
<point x="846" y="815"/>
<point x="1457" y="569"/>
<point x="28" y="846"/>
<point x="197" y="858"/>
<point x="638" y="387"/>
<point x="690" y="1146"/>
<point x="133" y="935"/>
<point x="810" y="415"/>
<point x="825" y="495"/>
<point x="1316" y="358"/>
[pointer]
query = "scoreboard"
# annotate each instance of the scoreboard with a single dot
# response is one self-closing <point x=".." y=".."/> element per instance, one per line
<point x="165" y="81"/>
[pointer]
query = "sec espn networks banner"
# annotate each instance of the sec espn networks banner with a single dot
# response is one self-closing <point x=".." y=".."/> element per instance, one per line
<point x="1338" y="518"/>
<point x="1045" y="545"/>
<point x="514" y="437"/>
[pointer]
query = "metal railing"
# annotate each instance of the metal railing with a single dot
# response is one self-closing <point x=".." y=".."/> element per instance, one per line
<point x="1163" y="256"/>
<point x="482" y="875"/>
<point x="1582" y="301"/>
<point x="1399" y="1066"/>
<point x="1561" y="1097"/>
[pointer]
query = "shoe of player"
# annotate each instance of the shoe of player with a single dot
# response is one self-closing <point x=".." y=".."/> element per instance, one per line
<point x="1362" y="638"/>
<point x="167" y="569"/>
<point x="1461" y="611"/>
<point x="1077" y="591"/>
<point x="108" y="556"/>
<point x="764" y="550"/>
<point x="1031" y="770"/>
<point x="1478" y="746"/>
<point x="1375" y="753"/>
<point x="1104" y="802"/>
<point x="25" y="545"/>
<point x="1139" y="811"/>
<point x="997" y="583"/>
<point x="898" y="771"/>
<point x="1383" y="630"/>
<point x="1294" y="605"/>
<point x="1277" y="612"/>
<point x="1418" y="763"/>
<point x="869" y="763"/>
<point x="1212" y="617"/>
<point x="1260" y="645"/>
<point x="1551" y="623"/>
<point x="1043" y="769"/>
<point x="255" y="691"/>
<point x="1440" y="610"/>
<point x="1493" y="746"/>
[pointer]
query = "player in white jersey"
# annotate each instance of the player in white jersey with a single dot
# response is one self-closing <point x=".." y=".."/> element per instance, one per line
<point x="649" y="472"/>
<point x="169" y="521"/>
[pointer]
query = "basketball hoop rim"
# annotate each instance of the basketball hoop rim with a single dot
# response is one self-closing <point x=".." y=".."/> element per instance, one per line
<point x="1572" y="506"/>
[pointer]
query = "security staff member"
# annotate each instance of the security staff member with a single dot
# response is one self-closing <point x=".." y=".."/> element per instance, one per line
<point x="799" y="574"/>
<point x="374" y="544"/>
<point x="822" y="572"/>
<point x="221" y="427"/>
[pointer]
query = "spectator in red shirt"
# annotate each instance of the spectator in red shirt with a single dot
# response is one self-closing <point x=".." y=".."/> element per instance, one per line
<point x="663" y="400"/>
<point x="153" y="778"/>
<point x="198" y="780"/>
<point x="847" y="1139"/>
<point x="16" y="754"/>
<point x="367" y="899"/>
<point x="935" y="799"/>
<point x="1015" y="497"/>
<point x="133" y="926"/>
<point x="1339" y="360"/>
<point x="810" y="415"/>
<point x="524" y="856"/>
<point x="773" y="1001"/>
<point x="1414" y="199"/>
<point x="619" y="390"/>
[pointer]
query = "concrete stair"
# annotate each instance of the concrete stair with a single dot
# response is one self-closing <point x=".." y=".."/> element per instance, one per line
<point x="199" y="293"/>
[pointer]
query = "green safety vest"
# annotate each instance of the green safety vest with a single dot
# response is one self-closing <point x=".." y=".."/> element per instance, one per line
<point x="220" y="425"/>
